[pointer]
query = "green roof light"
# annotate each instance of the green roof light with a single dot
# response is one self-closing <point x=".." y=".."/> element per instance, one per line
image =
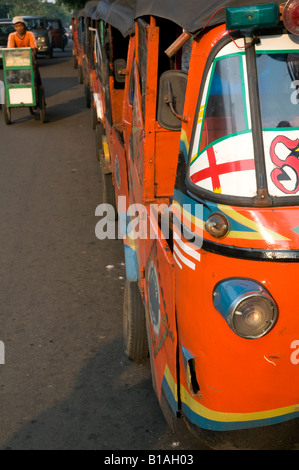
<point x="255" y="16"/>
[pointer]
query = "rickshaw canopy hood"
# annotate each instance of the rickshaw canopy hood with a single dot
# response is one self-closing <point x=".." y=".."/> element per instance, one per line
<point x="118" y="13"/>
<point x="191" y="15"/>
<point x="90" y="8"/>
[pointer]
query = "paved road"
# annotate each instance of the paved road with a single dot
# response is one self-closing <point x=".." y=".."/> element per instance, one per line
<point x="66" y="383"/>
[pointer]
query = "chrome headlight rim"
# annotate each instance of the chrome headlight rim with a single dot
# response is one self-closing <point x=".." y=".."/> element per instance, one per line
<point x="237" y="303"/>
<point x="234" y="296"/>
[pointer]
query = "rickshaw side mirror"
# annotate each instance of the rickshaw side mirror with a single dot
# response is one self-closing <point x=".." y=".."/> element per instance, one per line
<point x="172" y="89"/>
<point x="120" y="70"/>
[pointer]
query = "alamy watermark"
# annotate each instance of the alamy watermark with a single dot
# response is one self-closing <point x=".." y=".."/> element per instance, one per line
<point x="140" y="222"/>
<point x="2" y="93"/>
<point x="2" y="353"/>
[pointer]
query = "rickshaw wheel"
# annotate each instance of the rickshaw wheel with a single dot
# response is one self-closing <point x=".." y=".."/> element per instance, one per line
<point x="109" y="192"/>
<point x="42" y="104"/>
<point x="99" y="135"/>
<point x="134" y="323"/>
<point x="80" y="74"/>
<point x="75" y="62"/>
<point x="94" y="116"/>
<point x="7" y="114"/>
<point x="87" y="96"/>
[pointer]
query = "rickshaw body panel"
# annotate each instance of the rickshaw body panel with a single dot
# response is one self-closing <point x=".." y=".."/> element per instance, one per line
<point x="256" y="378"/>
<point x="159" y="295"/>
<point x="118" y="164"/>
<point x="236" y="373"/>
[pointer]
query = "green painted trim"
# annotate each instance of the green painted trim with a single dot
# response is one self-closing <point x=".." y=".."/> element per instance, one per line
<point x="242" y="78"/>
<point x="242" y="82"/>
<point x="246" y="131"/>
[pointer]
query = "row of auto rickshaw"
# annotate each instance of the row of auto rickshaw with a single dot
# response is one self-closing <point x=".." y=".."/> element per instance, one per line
<point x="195" y="111"/>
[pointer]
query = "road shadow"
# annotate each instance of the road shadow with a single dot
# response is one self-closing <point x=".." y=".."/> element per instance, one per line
<point x="63" y="111"/>
<point x="55" y="85"/>
<point x="105" y="410"/>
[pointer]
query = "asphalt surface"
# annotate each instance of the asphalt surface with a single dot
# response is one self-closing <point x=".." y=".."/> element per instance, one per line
<point x="66" y="382"/>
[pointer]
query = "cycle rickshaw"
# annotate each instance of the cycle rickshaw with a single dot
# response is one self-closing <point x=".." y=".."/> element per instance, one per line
<point x="21" y="84"/>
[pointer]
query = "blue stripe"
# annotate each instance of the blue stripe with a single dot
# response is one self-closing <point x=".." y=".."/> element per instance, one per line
<point x="131" y="264"/>
<point x="212" y="425"/>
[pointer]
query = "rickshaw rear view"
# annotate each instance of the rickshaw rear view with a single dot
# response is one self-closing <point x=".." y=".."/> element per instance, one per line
<point x="21" y="88"/>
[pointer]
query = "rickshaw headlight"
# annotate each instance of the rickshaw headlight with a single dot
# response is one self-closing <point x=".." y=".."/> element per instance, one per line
<point x="217" y="225"/>
<point x="247" y="306"/>
<point x="291" y="16"/>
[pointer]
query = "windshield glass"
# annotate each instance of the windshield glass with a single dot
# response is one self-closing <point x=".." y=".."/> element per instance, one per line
<point x="278" y="79"/>
<point x="35" y="23"/>
<point x="222" y="158"/>
<point x="225" y="107"/>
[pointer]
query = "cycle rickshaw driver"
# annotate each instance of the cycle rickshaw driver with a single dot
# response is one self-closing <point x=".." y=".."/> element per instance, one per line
<point x="24" y="38"/>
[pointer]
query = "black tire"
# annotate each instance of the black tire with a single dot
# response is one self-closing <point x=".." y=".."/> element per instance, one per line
<point x="94" y="116"/>
<point x="75" y="62"/>
<point x="80" y="74"/>
<point x="87" y="96"/>
<point x="7" y="114"/>
<point x="134" y="323"/>
<point x="108" y="193"/>
<point x="99" y="143"/>
<point x="42" y="105"/>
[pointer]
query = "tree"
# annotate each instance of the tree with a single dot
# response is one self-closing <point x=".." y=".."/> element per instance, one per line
<point x="72" y="4"/>
<point x="11" y="8"/>
<point x="4" y="8"/>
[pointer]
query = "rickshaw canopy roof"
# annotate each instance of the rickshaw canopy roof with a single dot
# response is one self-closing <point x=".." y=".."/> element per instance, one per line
<point x="191" y="15"/>
<point x="90" y="8"/>
<point x="118" y="13"/>
<point x="75" y="14"/>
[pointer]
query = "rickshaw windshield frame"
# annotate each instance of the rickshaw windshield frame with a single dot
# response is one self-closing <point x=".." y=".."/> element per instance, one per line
<point x="256" y="130"/>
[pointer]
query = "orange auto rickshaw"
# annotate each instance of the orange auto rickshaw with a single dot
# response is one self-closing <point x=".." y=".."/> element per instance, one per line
<point x="205" y="167"/>
<point x="113" y="28"/>
<point x="75" y="50"/>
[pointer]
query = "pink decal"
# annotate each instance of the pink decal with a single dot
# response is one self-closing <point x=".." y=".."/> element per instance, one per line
<point x="286" y="167"/>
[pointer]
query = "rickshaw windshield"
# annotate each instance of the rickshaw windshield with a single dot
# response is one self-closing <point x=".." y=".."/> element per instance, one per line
<point x="35" y="23"/>
<point x="222" y="158"/>
<point x="278" y="79"/>
<point x="222" y="152"/>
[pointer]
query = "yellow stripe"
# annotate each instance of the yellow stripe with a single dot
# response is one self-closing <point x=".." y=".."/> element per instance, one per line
<point x="200" y="114"/>
<point x="198" y="223"/>
<point x="185" y="140"/>
<point x="221" y="416"/>
<point x="193" y="158"/>
<point x="262" y="233"/>
<point x="171" y="382"/>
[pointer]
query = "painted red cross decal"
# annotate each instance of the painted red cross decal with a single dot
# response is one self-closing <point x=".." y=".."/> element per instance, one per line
<point x="213" y="171"/>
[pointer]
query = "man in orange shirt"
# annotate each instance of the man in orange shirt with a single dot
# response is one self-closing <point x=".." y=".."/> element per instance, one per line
<point x="24" y="38"/>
